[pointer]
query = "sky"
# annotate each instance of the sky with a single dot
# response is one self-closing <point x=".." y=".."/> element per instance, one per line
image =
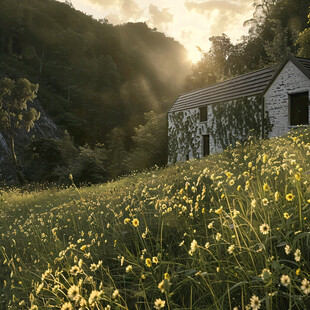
<point x="191" y="22"/>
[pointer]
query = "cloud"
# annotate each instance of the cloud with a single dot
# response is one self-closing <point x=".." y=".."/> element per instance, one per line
<point x="160" y="18"/>
<point x="239" y="7"/>
<point x="127" y="9"/>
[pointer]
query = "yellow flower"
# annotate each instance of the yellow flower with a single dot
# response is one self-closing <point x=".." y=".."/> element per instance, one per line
<point x="67" y="306"/>
<point x="286" y="215"/>
<point x="148" y="262"/>
<point x="228" y="174"/>
<point x="298" y="272"/>
<point x="166" y="276"/>
<point x="135" y="222"/>
<point x="83" y="247"/>
<point x="128" y="268"/>
<point x="155" y="260"/>
<point x="297" y="176"/>
<point x="126" y="220"/>
<point x="289" y="197"/>
<point x="266" y="187"/>
<point x="219" y="210"/>
<point x="265" y="157"/>
<point x="239" y="188"/>
<point x="276" y="196"/>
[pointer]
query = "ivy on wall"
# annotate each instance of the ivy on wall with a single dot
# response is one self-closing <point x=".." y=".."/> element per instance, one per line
<point x="230" y="121"/>
<point x="239" y="119"/>
<point x="184" y="135"/>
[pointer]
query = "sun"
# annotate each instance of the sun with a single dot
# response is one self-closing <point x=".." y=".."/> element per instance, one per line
<point x="194" y="55"/>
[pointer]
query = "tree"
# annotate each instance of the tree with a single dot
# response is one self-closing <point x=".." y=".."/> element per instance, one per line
<point x="15" y="114"/>
<point x="303" y="42"/>
<point x="150" y="140"/>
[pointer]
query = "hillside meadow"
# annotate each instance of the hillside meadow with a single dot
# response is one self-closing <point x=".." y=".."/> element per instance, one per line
<point x="230" y="231"/>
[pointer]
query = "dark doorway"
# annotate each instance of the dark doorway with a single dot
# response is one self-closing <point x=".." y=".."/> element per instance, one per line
<point x="299" y="109"/>
<point x="206" y="145"/>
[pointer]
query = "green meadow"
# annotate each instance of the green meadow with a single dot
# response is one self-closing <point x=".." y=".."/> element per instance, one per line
<point x="229" y="231"/>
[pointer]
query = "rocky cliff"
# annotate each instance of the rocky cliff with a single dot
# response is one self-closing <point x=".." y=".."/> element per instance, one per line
<point x="44" y="127"/>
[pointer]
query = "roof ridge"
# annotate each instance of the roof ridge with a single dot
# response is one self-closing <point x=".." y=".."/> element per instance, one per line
<point x="230" y="79"/>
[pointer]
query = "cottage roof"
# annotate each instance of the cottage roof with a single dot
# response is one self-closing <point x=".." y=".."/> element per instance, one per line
<point x="250" y="84"/>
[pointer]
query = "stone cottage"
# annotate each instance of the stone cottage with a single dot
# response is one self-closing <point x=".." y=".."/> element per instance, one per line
<point x="264" y="103"/>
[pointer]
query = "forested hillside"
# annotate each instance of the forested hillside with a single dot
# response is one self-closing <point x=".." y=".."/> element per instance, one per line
<point x="93" y="76"/>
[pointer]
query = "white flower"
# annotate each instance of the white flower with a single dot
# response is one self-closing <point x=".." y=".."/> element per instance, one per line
<point x="287" y="249"/>
<point x="255" y="303"/>
<point x="231" y="248"/>
<point x="194" y="246"/>
<point x="218" y="237"/>
<point x="73" y="292"/>
<point x="305" y="287"/>
<point x="264" y="229"/>
<point x="285" y="280"/>
<point x="297" y="255"/>
<point x="159" y="304"/>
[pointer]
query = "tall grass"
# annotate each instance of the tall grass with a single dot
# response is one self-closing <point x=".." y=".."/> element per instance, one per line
<point x="230" y="231"/>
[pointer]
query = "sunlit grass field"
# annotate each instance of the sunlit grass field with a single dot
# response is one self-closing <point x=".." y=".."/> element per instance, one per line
<point x="230" y="231"/>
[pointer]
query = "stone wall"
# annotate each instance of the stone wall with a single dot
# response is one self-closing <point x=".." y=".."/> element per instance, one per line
<point x="289" y="81"/>
<point x="227" y="123"/>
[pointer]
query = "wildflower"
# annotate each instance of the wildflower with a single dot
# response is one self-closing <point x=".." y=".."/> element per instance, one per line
<point x="265" y="157"/>
<point x="135" y="222"/>
<point x="289" y="197"/>
<point x="67" y="306"/>
<point x="159" y="304"/>
<point x="286" y="215"/>
<point x="264" y="229"/>
<point x="297" y="176"/>
<point x="265" y="202"/>
<point x="232" y="182"/>
<point x="239" y="188"/>
<point x="148" y="262"/>
<point x="266" y="187"/>
<point x="181" y="243"/>
<point x="161" y="286"/>
<point x="128" y="268"/>
<point x="218" y="237"/>
<point x="253" y="203"/>
<point x="34" y="307"/>
<point x="298" y="272"/>
<point x="166" y="276"/>
<point x="276" y="196"/>
<point x="94" y="297"/>
<point x="297" y="255"/>
<point x="75" y="270"/>
<point x="93" y="267"/>
<point x="115" y="294"/>
<point x="255" y="303"/>
<point x="207" y="245"/>
<point x="219" y="210"/>
<point x="155" y="260"/>
<point x="285" y="280"/>
<point x="231" y="248"/>
<point x="73" y="292"/>
<point x="210" y="225"/>
<point x="287" y="249"/>
<point x="126" y="220"/>
<point x="228" y="174"/>
<point x="217" y="269"/>
<point x="194" y="246"/>
<point x="305" y="287"/>
<point x="83" y="247"/>
<point x="250" y="164"/>
<point x="266" y="275"/>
